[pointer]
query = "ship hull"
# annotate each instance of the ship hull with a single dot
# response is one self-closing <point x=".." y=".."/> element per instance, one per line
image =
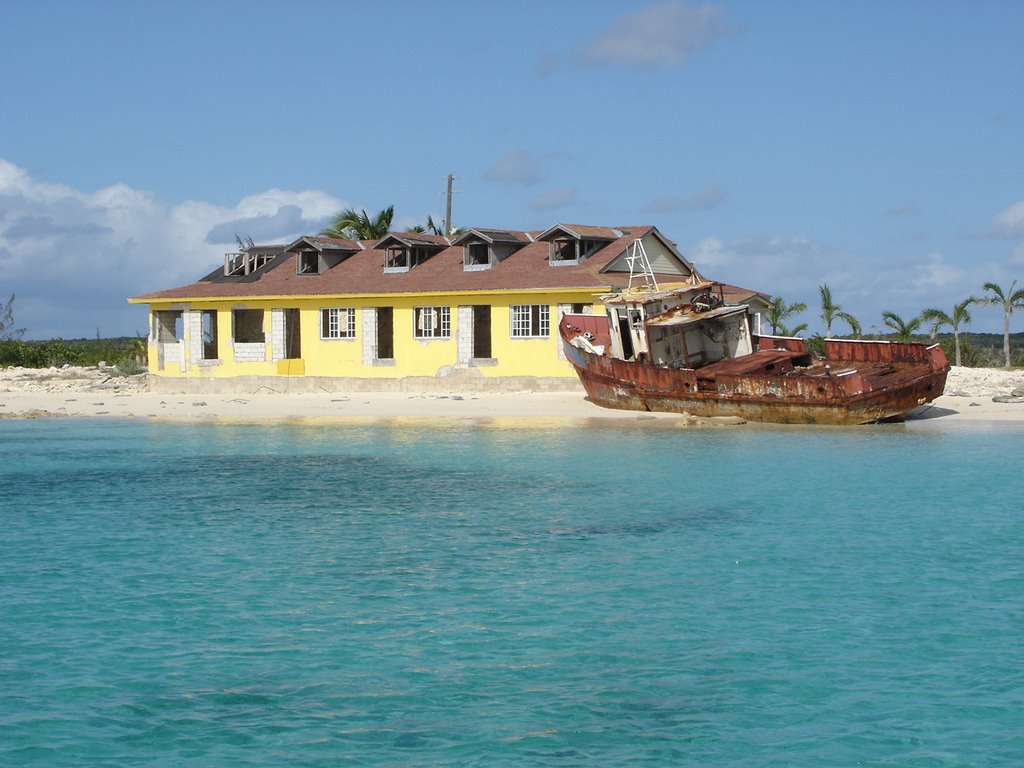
<point x="857" y="383"/>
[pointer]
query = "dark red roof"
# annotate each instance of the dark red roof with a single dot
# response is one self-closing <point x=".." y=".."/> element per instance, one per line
<point x="363" y="273"/>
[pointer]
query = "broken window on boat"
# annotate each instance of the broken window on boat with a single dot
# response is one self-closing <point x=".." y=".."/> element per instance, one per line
<point x="531" y="321"/>
<point x="248" y="326"/>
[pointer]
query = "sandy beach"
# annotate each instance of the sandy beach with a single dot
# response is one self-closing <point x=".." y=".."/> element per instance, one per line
<point x="96" y="392"/>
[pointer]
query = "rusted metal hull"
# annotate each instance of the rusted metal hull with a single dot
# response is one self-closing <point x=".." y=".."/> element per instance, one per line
<point x="858" y="383"/>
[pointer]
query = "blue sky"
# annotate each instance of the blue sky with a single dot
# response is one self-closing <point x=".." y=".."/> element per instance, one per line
<point x="874" y="146"/>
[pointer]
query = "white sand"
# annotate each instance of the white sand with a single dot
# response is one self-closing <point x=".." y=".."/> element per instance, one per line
<point x="90" y="392"/>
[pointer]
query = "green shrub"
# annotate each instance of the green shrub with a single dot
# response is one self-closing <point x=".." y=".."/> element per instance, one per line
<point x="129" y="367"/>
<point x="816" y="345"/>
<point x="83" y="352"/>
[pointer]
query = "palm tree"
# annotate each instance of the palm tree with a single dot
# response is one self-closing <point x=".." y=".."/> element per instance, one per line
<point x="960" y="316"/>
<point x="7" y="330"/>
<point x="831" y="311"/>
<point x="1009" y="301"/>
<point x="904" y="328"/>
<point x="349" y="225"/>
<point x="430" y="227"/>
<point x="778" y="311"/>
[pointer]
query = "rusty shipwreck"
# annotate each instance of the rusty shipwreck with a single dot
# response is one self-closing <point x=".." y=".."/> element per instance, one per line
<point x="685" y="350"/>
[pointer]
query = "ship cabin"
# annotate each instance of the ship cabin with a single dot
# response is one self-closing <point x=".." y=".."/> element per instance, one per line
<point x="686" y="327"/>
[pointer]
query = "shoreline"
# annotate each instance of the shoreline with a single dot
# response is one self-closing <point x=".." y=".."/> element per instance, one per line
<point x="92" y="393"/>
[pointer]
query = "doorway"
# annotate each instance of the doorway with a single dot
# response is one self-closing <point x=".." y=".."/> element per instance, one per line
<point x="292" y="338"/>
<point x="385" y="333"/>
<point x="209" y="328"/>
<point x="481" y="331"/>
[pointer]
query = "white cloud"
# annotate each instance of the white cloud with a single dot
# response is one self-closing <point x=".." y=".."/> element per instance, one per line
<point x="794" y="267"/>
<point x="547" y="64"/>
<point x="72" y="257"/>
<point x="559" y="197"/>
<point x="933" y="272"/>
<point x="904" y="211"/>
<point x="1017" y="257"/>
<point x="517" y="167"/>
<point x="659" y="35"/>
<point x="1010" y="223"/>
<point x="759" y="257"/>
<point x="705" y="200"/>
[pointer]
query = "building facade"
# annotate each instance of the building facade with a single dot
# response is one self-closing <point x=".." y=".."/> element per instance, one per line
<point x="409" y="309"/>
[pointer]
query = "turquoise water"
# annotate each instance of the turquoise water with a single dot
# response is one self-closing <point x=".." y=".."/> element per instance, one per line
<point x="416" y="593"/>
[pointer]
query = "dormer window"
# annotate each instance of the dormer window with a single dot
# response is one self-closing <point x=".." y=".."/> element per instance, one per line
<point x="572" y="251"/>
<point x="402" y="259"/>
<point x="563" y="252"/>
<point x="476" y="255"/>
<point x="590" y="247"/>
<point x="486" y="248"/>
<point x="403" y="252"/>
<point x="308" y="263"/>
<point x="571" y="243"/>
<point x="250" y="260"/>
<point x="316" y="255"/>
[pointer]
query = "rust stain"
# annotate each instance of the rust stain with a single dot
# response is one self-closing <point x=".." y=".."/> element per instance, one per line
<point x="856" y="383"/>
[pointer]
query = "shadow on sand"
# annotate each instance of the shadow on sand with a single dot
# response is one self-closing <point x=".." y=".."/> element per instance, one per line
<point x="930" y="412"/>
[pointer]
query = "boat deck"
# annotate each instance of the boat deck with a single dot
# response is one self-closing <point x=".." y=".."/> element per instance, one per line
<point x="766" y="362"/>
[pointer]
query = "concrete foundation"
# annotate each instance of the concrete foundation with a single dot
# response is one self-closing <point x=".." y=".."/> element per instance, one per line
<point x="458" y="380"/>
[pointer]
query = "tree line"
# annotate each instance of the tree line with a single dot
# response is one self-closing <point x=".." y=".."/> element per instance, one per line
<point x="779" y="311"/>
<point x="350" y="224"/>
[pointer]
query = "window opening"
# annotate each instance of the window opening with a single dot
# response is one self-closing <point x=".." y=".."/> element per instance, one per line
<point x="168" y="326"/>
<point x="309" y="263"/>
<point x="338" y="323"/>
<point x="564" y="250"/>
<point x="477" y="255"/>
<point x="433" y="322"/>
<point x="531" y="320"/>
<point x="209" y="326"/>
<point x="248" y="326"/>
<point x="396" y="258"/>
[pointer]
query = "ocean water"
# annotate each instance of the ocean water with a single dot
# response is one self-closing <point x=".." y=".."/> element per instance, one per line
<point x="426" y="593"/>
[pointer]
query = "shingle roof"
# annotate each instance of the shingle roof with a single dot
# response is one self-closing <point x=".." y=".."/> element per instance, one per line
<point x="492" y="236"/>
<point x="411" y="240"/>
<point x="581" y="231"/>
<point x="363" y="274"/>
<point x="324" y="244"/>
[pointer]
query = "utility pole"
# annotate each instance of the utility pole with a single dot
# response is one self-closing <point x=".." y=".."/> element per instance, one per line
<point x="448" y="207"/>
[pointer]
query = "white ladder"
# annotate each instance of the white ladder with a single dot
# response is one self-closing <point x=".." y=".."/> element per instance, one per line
<point x="640" y="266"/>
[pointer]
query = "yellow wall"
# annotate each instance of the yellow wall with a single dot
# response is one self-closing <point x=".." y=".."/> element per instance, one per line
<point x="413" y="357"/>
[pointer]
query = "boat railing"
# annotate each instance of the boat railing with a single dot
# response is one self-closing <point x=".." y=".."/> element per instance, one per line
<point x="580" y="324"/>
<point x="877" y="351"/>
<point x="788" y="343"/>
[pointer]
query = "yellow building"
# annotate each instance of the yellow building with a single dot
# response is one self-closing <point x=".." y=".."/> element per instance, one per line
<point x="404" y="311"/>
